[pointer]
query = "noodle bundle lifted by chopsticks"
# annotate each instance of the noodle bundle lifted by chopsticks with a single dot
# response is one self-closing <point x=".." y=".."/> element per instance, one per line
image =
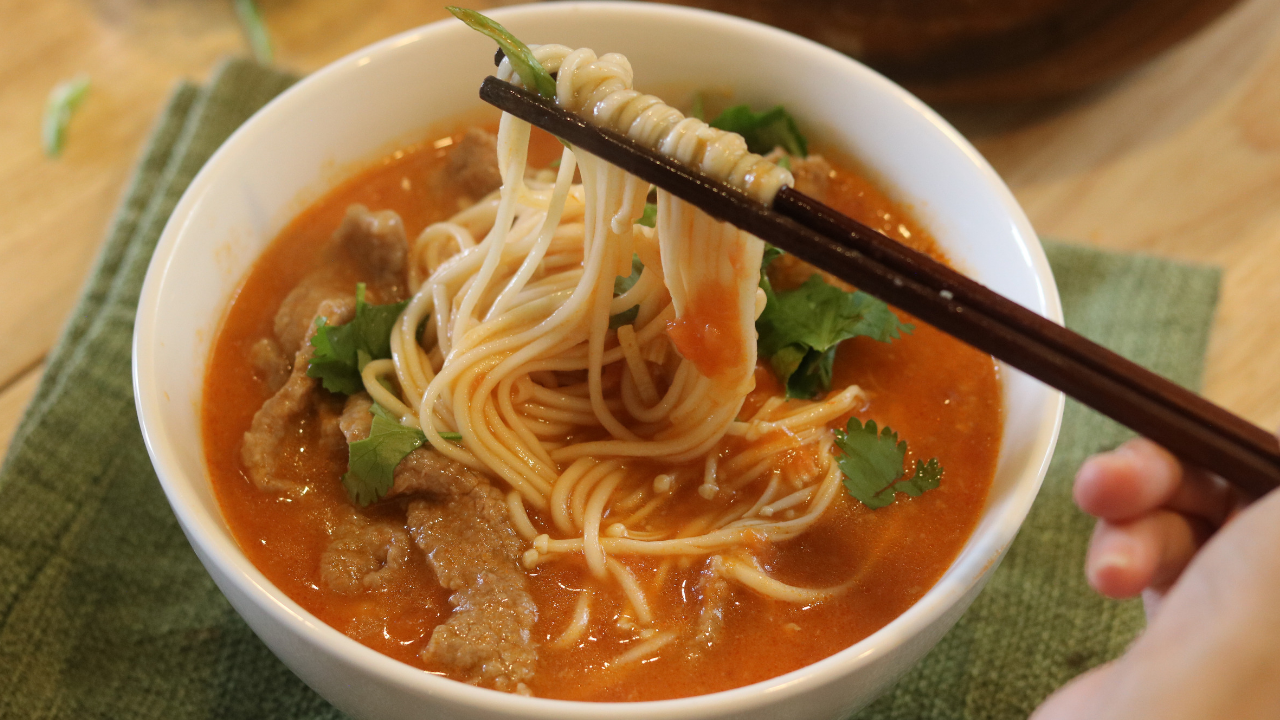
<point x="612" y="410"/>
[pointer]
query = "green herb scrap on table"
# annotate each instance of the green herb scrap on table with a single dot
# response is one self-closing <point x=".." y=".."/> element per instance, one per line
<point x="64" y="98"/>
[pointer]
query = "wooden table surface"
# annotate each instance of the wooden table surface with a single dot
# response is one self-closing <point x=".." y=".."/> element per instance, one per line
<point x="1179" y="159"/>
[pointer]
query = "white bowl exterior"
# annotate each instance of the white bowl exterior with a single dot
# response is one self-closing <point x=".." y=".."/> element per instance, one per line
<point x="391" y="93"/>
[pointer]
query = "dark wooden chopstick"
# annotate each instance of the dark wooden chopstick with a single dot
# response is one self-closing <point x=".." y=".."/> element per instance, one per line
<point x="820" y="218"/>
<point x="1196" y="430"/>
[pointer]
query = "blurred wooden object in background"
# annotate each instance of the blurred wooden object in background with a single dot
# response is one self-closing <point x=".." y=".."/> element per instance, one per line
<point x="982" y="51"/>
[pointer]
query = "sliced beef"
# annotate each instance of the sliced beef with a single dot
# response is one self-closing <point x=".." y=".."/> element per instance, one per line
<point x="362" y="553"/>
<point x="328" y="416"/>
<point x="356" y="419"/>
<point x="295" y="320"/>
<point x="369" y="245"/>
<point x="813" y="176"/>
<point x="270" y="362"/>
<point x="475" y="553"/>
<point x="373" y="247"/>
<point x="473" y="164"/>
<point x="280" y="416"/>
<point x="812" y="173"/>
<point x="423" y="471"/>
<point x="460" y="521"/>
<point x="376" y="242"/>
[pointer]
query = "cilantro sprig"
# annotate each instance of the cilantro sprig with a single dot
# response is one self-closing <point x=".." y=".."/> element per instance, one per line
<point x="342" y="351"/>
<point x="764" y="131"/>
<point x="872" y="463"/>
<point x="532" y="75"/>
<point x="371" y="463"/>
<point x="799" y="329"/>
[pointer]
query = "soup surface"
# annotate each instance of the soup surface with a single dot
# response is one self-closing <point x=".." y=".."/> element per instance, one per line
<point x="940" y="395"/>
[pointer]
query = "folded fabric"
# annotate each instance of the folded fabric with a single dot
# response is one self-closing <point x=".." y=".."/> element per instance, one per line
<point x="106" y="612"/>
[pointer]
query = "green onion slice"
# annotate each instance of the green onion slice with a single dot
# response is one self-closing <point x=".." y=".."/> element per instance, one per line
<point x="532" y="74"/>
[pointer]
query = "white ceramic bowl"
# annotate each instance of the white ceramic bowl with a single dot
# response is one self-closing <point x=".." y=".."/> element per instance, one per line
<point x="366" y="104"/>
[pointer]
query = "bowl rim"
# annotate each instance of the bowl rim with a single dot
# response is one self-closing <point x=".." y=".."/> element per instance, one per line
<point x="215" y="547"/>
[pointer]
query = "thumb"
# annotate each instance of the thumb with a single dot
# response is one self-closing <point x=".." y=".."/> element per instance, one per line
<point x="1087" y="696"/>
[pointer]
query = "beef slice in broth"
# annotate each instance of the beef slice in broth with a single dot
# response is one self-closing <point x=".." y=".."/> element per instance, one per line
<point x="460" y="521"/>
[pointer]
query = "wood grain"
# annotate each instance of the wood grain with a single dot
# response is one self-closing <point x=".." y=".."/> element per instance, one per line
<point x="13" y="402"/>
<point x="1180" y="159"/>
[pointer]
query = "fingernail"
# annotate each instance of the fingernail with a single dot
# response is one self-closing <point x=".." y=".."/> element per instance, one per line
<point x="1108" y="566"/>
<point x="1128" y="451"/>
<point x="1114" y="559"/>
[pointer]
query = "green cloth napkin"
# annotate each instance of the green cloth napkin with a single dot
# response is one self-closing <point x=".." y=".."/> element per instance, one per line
<point x="105" y="612"/>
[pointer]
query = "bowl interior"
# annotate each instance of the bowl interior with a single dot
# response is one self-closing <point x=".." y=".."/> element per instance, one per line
<point x="392" y="93"/>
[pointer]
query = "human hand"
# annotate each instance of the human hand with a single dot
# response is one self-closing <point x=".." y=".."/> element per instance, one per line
<point x="1153" y="514"/>
<point x="1209" y="571"/>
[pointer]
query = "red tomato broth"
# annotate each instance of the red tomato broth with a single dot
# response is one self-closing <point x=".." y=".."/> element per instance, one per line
<point x="941" y="396"/>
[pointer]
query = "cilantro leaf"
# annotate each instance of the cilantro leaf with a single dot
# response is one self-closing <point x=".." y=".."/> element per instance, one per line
<point x="872" y="465"/>
<point x="342" y="351"/>
<point x="928" y="475"/>
<point x="650" y="217"/>
<point x="622" y="284"/>
<point x="799" y="330"/>
<point x="812" y="376"/>
<point x="532" y="75"/>
<point x="871" y="462"/>
<point x="371" y="463"/>
<point x="764" y="131"/>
